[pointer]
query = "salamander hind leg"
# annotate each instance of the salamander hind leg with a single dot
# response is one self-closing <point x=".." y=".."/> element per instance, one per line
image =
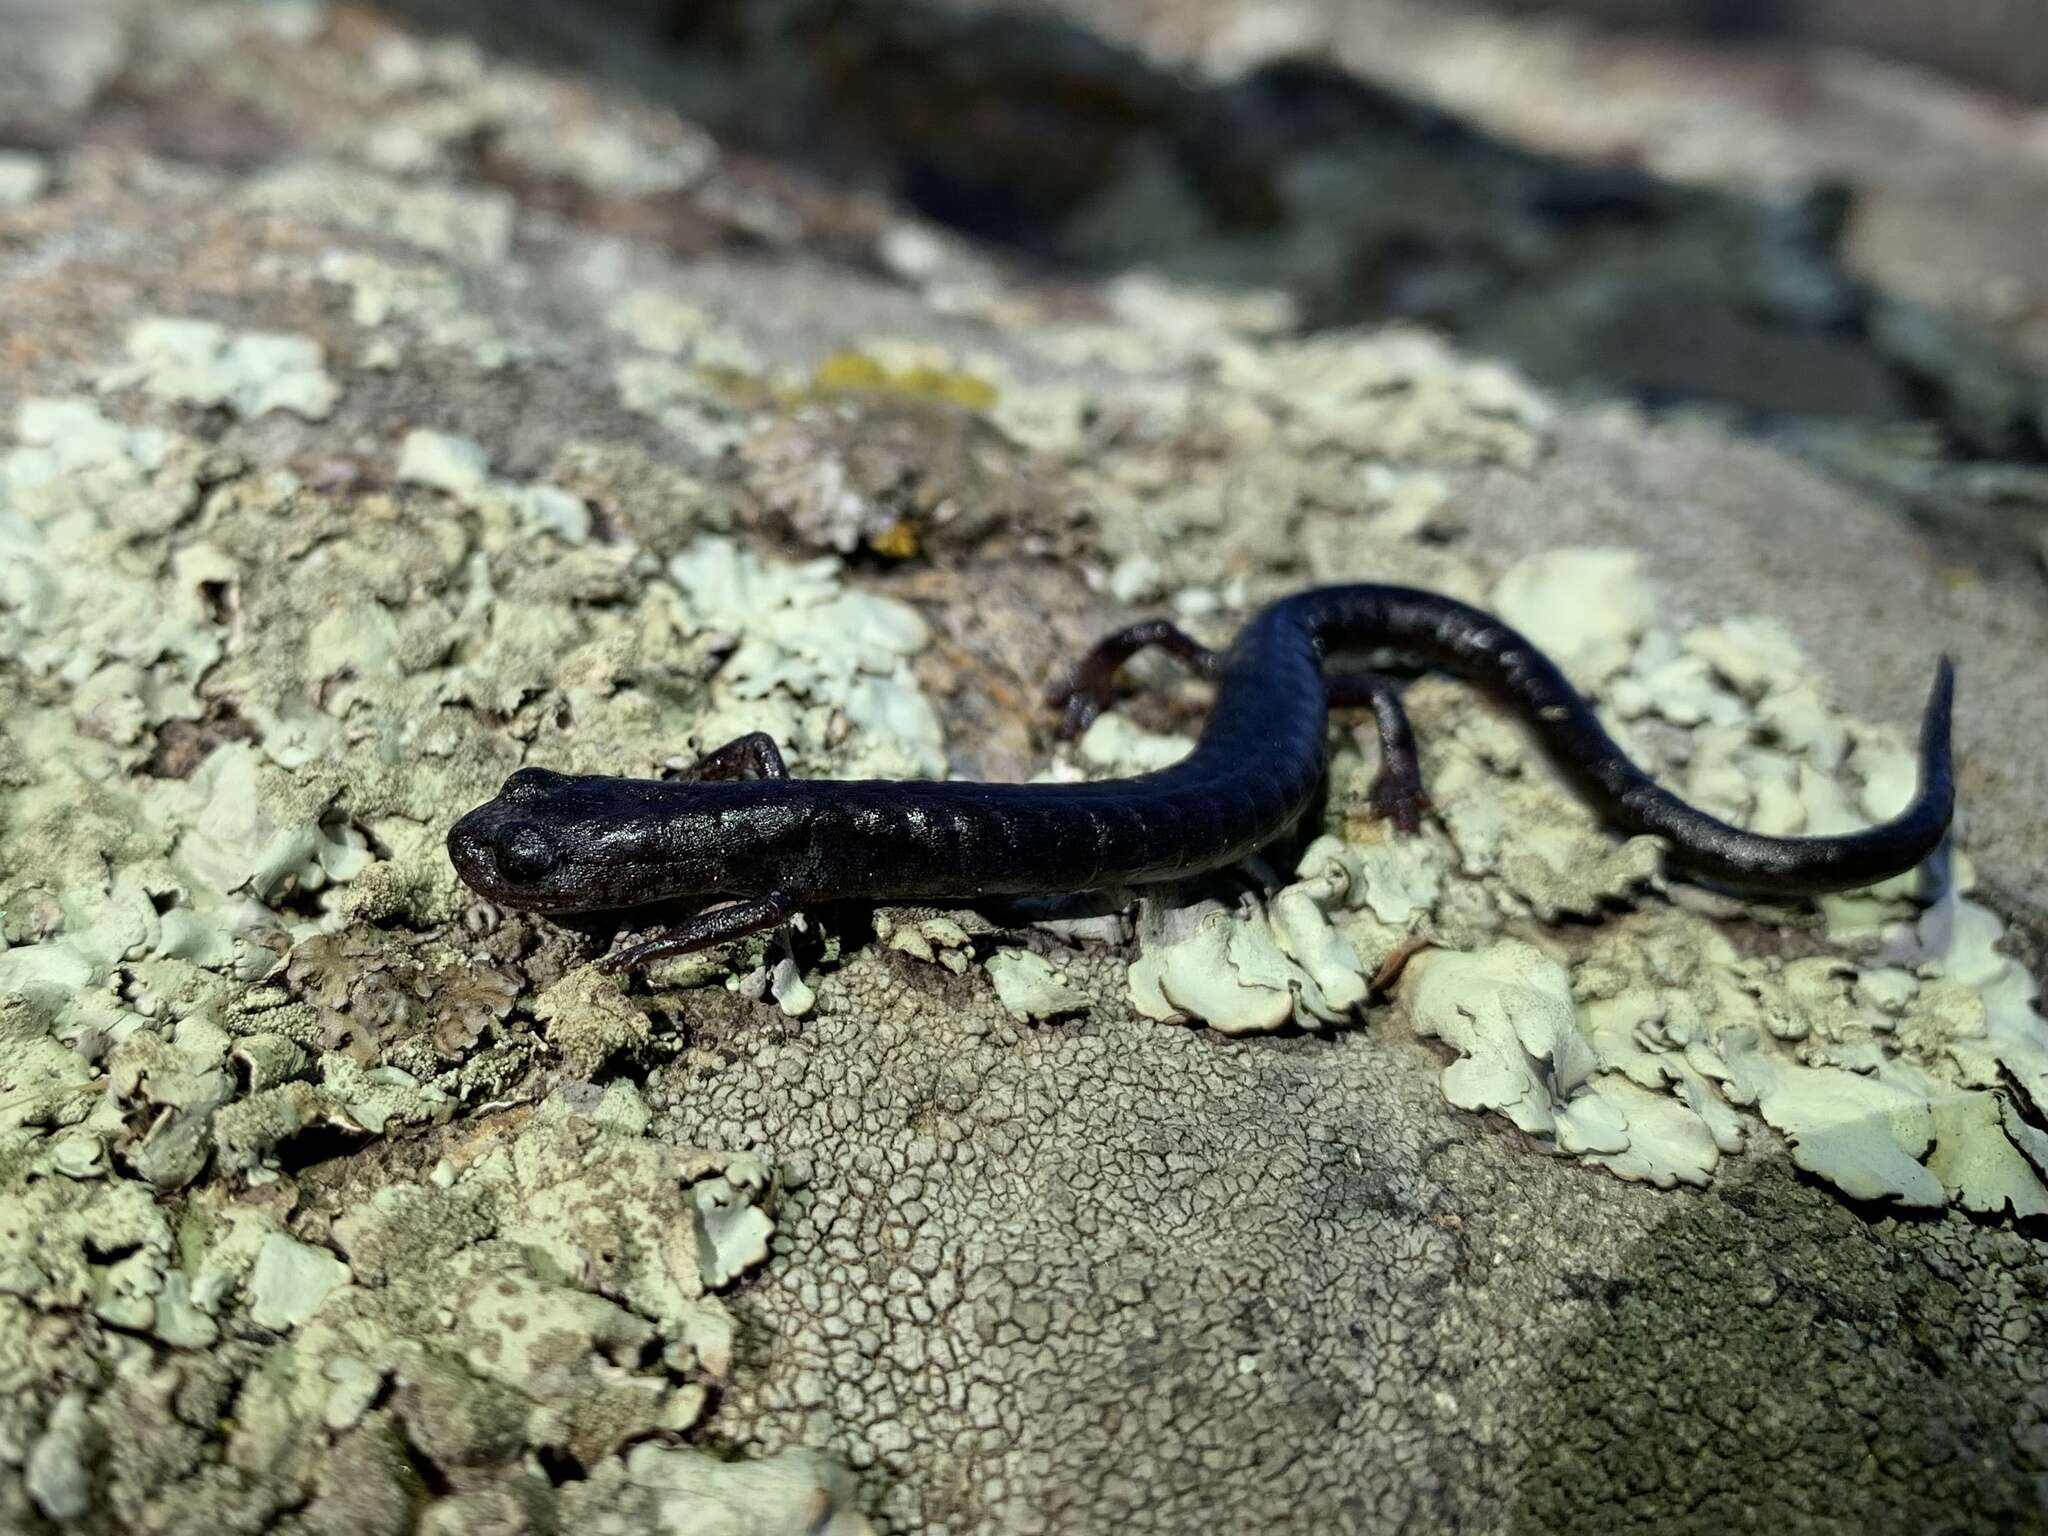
<point x="1397" y="795"/>
<point x="752" y="756"/>
<point x="1087" y="688"/>
<point x="714" y="926"/>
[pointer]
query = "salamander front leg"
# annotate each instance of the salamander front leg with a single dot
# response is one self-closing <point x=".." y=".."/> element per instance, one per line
<point x="1397" y="795"/>
<point x="752" y="756"/>
<point x="713" y="926"/>
<point x="1089" y="686"/>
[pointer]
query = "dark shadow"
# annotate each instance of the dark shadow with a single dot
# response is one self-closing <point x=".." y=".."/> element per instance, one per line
<point x="1772" y="1359"/>
<point x="1762" y="1355"/>
<point x="2002" y="44"/>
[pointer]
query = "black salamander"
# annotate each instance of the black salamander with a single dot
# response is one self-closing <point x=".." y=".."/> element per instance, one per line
<point x="740" y="827"/>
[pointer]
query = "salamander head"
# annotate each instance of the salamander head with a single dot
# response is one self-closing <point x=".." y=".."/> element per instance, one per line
<point x="554" y="842"/>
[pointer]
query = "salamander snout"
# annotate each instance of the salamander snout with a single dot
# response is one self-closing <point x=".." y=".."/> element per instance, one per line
<point x="502" y="857"/>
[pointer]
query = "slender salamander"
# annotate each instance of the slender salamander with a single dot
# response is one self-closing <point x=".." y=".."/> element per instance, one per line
<point x="740" y="827"/>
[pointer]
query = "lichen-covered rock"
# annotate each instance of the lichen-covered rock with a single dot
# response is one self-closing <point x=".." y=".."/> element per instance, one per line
<point x="683" y="1492"/>
<point x="435" y="435"/>
<point x="1029" y="986"/>
<point x="202" y="363"/>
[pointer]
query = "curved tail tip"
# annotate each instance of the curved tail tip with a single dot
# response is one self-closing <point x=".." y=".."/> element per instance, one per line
<point x="1934" y="721"/>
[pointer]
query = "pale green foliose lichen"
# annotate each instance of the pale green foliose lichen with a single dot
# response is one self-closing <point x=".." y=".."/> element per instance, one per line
<point x="173" y="1029"/>
<point x="290" y="1281"/>
<point x="677" y="1491"/>
<point x="1646" y="1044"/>
<point x="684" y="399"/>
<point x="459" y="466"/>
<point x="609" y="159"/>
<point x="1030" y="987"/>
<point x="937" y="940"/>
<point x="673" y="327"/>
<point x="1112" y="745"/>
<point x="23" y="178"/>
<point x="423" y="295"/>
<point x="249" y="372"/>
<point x="804" y="634"/>
<point x="563" y="1279"/>
<point x="446" y="219"/>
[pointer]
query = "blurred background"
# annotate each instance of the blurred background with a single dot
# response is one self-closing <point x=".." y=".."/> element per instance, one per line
<point x="1819" y="220"/>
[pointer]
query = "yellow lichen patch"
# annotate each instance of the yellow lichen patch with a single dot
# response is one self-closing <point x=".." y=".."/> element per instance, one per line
<point x="898" y="541"/>
<point x="859" y="373"/>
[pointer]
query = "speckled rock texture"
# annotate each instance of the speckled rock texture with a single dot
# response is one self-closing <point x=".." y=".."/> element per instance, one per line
<point x="380" y="412"/>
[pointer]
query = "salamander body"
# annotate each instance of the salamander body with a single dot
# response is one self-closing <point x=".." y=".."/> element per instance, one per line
<point x="551" y="842"/>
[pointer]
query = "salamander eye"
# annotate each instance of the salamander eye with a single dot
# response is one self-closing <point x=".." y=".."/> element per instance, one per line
<point x="526" y="852"/>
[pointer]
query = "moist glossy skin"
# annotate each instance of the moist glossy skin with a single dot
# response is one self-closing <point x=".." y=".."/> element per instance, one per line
<point x="555" y="843"/>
